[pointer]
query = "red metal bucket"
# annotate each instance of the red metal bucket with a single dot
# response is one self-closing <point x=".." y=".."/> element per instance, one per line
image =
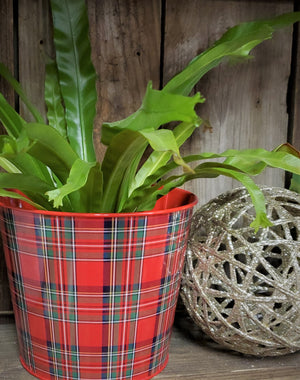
<point x="94" y="295"/>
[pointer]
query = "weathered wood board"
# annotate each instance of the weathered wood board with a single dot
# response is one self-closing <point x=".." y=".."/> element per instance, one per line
<point x="294" y="106"/>
<point x="7" y="57"/>
<point x="125" y="37"/>
<point x="34" y="44"/>
<point x="245" y="103"/>
<point x="136" y="41"/>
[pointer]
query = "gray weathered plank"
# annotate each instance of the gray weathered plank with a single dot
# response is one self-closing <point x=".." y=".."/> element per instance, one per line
<point x="7" y="57"/>
<point x="246" y="103"/>
<point x="295" y="96"/>
<point x="35" y="31"/>
<point x="7" y="46"/>
<point x="125" y="37"/>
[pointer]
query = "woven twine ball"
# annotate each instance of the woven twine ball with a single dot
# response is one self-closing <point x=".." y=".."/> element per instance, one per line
<point x="242" y="288"/>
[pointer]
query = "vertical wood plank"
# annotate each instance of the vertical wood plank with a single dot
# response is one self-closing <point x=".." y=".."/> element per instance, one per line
<point x="6" y="57"/>
<point x="295" y="98"/>
<point x="35" y="39"/>
<point x="246" y="103"/>
<point x="125" y="37"/>
<point x="7" y="47"/>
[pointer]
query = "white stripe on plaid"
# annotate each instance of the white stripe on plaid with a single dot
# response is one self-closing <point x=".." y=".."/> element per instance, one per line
<point x="48" y="290"/>
<point x="24" y="334"/>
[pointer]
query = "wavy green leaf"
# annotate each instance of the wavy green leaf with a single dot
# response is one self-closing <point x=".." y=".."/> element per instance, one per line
<point x="8" y="165"/>
<point x="53" y="99"/>
<point x="11" y="120"/>
<point x="145" y="198"/>
<point x="30" y="185"/>
<point x="162" y="140"/>
<point x="295" y="183"/>
<point x="23" y="183"/>
<point x="91" y="192"/>
<point x="76" y="73"/>
<point x="253" y="161"/>
<point x="237" y="42"/>
<point x="51" y="148"/>
<point x="28" y="165"/>
<point x="8" y="146"/>
<point x="295" y="180"/>
<point x="286" y="147"/>
<point x="247" y="161"/>
<point x="157" y="108"/>
<point x="120" y="154"/>
<point x="126" y="149"/>
<point x="156" y="160"/>
<point x="14" y="195"/>
<point x="128" y="178"/>
<point x="19" y="90"/>
<point x="77" y="179"/>
<point x="14" y="160"/>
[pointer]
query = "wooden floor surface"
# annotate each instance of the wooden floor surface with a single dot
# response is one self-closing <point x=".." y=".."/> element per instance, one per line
<point x="192" y="357"/>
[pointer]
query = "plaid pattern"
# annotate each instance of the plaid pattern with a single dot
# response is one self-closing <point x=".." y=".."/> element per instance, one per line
<point x="94" y="297"/>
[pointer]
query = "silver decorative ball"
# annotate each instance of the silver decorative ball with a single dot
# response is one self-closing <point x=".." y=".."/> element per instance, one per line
<point x="242" y="288"/>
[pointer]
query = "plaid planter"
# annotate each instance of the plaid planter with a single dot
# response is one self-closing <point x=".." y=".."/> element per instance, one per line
<point x="94" y="295"/>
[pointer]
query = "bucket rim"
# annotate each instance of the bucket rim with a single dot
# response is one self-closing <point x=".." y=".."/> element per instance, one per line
<point x="165" y="205"/>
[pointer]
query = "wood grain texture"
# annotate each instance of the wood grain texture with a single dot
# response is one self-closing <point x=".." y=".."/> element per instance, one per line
<point x="245" y="103"/>
<point x="192" y="356"/>
<point x="6" y="57"/>
<point x="35" y="40"/>
<point x="295" y="95"/>
<point x="7" y="47"/>
<point x="125" y="37"/>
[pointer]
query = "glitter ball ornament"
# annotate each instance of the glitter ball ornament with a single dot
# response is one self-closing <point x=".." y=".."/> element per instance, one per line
<point x="242" y="288"/>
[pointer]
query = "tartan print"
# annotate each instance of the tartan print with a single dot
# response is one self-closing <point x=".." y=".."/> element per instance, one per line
<point x="94" y="297"/>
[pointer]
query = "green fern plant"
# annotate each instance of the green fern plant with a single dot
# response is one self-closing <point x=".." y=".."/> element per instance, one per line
<point x="53" y="164"/>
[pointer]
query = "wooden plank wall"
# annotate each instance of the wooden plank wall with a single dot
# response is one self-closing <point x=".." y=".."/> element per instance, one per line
<point x="7" y="57"/>
<point x="135" y="41"/>
<point x="246" y="103"/>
